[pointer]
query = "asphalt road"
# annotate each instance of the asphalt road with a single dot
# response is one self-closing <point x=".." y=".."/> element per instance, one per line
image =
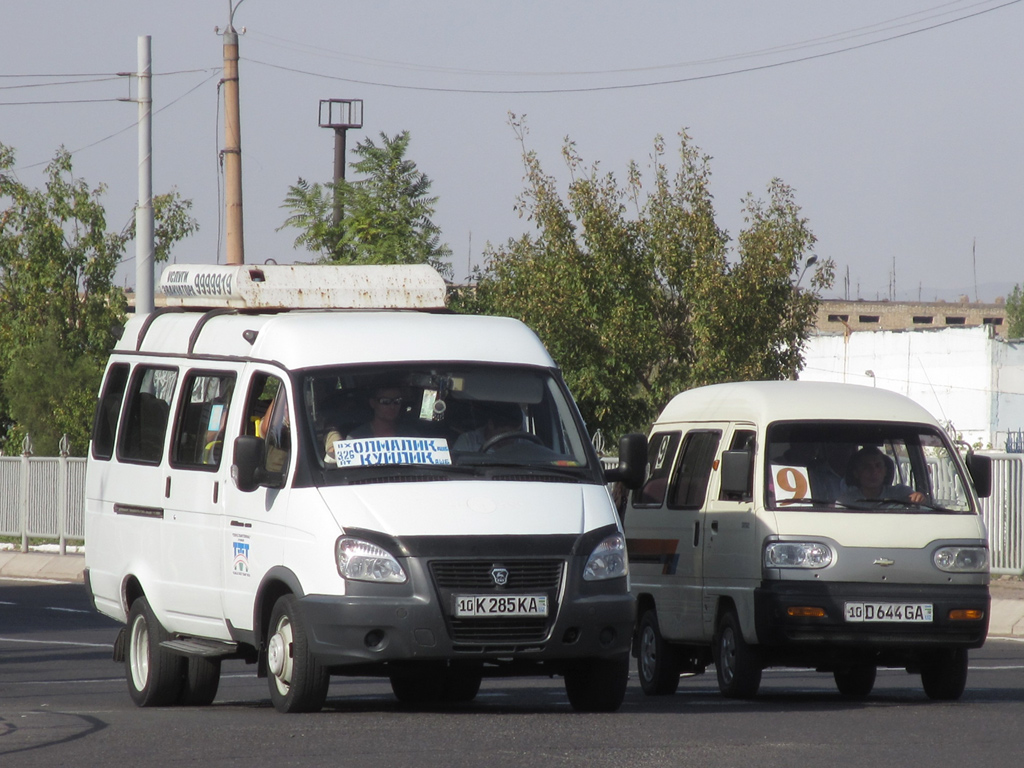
<point x="63" y="702"/>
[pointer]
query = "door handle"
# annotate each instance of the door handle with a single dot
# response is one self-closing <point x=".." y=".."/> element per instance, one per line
<point x="714" y="526"/>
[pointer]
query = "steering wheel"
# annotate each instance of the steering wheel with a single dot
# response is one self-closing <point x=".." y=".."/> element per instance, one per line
<point x="514" y="435"/>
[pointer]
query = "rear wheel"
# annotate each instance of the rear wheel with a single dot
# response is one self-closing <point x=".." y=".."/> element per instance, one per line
<point x="298" y="682"/>
<point x="737" y="664"/>
<point x="944" y="674"/>
<point x="857" y="680"/>
<point x="658" y="664"/>
<point x="154" y="673"/>
<point x="597" y="685"/>
<point x="435" y="684"/>
<point x="200" y="682"/>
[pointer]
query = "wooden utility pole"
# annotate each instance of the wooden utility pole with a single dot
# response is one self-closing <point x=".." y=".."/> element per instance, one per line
<point x="231" y="155"/>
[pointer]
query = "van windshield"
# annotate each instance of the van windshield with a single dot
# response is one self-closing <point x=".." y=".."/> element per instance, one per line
<point x="445" y="418"/>
<point x="863" y="466"/>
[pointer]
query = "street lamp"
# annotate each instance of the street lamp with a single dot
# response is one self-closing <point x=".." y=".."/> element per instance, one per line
<point x="872" y="375"/>
<point x="810" y="262"/>
<point x="340" y="114"/>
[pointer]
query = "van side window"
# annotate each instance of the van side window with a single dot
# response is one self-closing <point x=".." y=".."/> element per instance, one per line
<point x="267" y="417"/>
<point x="661" y="452"/>
<point x="696" y="457"/>
<point x="202" y="420"/>
<point x="742" y="440"/>
<point x="104" y="428"/>
<point x="144" y="425"/>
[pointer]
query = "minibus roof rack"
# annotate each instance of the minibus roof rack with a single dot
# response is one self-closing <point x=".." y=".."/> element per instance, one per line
<point x="303" y="286"/>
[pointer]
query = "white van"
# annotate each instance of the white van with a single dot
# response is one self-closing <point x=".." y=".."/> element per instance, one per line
<point x="806" y="525"/>
<point x="387" y="489"/>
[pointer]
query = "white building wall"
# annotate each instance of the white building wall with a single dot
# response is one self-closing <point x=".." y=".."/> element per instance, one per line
<point x="963" y="376"/>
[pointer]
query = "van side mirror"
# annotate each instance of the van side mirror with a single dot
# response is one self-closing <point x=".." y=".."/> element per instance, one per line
<point x="247" y="463"/>
<point x="980" y="468"/>
<point x="737" y="468"/>
<point x="632" y="461"/>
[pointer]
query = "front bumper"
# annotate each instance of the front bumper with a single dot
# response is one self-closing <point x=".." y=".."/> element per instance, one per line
<point x="777" y="629"/>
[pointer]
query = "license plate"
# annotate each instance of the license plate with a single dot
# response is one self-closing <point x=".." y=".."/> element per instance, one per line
<point x="504" y="605"/>
<point x="892" y="612"/>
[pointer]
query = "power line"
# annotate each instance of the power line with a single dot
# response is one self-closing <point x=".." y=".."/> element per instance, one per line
<point x="652" y="83"/>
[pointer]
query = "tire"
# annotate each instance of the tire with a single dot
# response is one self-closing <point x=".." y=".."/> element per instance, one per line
<point x="857" y="680"/>
<point x="944" y="674"/>
<point x="154" y="673"/>
<point x="436" y="684"/>
<point x="658" y="664"/>
<point x="298" y="682"/>
<point x="737" y="665"/>
<point x="200" y="682"/>
<point x="597" y="685"/>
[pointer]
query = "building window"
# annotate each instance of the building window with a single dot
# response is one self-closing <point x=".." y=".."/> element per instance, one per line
<point x="868" y="318"/>
<point x="992" y="321"/>
<point x="922" y="320"/>
<point x="838" y="318"/>
<point x="956" y="320"/>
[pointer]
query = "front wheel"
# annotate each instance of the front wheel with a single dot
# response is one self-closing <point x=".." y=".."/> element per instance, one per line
<point x="298" y="682"/>
<point x="737" y="664"/>
<point x="436" y="684"/>
<point x="944" y="674"/>
<point x="658" y="664"/>
<point x="154" y="673"/>
<point x="597" y="685"/>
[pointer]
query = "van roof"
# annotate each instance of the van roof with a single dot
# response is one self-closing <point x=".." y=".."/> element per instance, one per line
<point x="307" y="338"/>
<point x="761" y="402"/>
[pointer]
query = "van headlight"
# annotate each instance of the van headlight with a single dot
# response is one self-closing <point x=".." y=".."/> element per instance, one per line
<point x="608" y="560"/>
<point x="961" y="559"/>
<point x="797" y="554"/>
<point x="363" y="561"/>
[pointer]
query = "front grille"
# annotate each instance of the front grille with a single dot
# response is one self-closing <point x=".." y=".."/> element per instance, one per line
<point x="476" y="574"/>
<point x="474" y="577"/>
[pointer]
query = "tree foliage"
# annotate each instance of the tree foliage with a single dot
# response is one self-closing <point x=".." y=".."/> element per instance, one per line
<point x="1015" y="314"/>
<point x="61" y="308"/>
<point x="635" y="291"/>
<point x="386" y="214"/>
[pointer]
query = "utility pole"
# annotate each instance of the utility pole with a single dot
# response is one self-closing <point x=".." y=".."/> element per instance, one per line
<point x="231" y="155"/>
<point x="340" y="114"/>
<point x="144" y="210"/>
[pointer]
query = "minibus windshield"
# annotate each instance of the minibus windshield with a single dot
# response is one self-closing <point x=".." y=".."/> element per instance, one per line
<point x="445" y="417"/>
<point x="863" y="466"/>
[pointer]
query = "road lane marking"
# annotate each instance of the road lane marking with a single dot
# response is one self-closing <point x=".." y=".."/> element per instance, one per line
<point x="54" y="642"/>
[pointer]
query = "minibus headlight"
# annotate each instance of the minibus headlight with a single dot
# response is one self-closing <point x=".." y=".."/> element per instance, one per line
<point x="961" y="559"/>
<point x="362" y="561"/>
<point x="797" y="554"/>
<point x="608" y="560"/>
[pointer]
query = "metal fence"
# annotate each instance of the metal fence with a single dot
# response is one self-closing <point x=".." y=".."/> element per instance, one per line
<point x="44" y="498"/>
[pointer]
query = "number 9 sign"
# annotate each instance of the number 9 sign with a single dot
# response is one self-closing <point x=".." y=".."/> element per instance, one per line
<point x="790" y="482"/>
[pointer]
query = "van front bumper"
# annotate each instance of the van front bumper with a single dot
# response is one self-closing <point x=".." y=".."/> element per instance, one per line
<point x="351" y="630"/>
<point x="775" y="604"/>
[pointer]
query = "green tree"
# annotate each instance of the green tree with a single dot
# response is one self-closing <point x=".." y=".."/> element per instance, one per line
<point x="1015" y="314"/>
<point x="61" y="308"/>
<point x="636" y="293"/>
<point x="386" y="214"/>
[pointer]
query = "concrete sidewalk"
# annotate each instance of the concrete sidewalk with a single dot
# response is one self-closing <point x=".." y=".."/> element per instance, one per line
<point x="1007" y="594"/>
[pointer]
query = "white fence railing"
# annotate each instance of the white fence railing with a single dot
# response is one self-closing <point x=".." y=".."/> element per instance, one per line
<point x="44" y="498"/>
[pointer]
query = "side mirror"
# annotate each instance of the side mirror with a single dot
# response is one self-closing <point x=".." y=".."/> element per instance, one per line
<point x="980" y="468"/>
<point x="245" y="469"/>
<point x="632" y="461"/>
<point x="736" y="474"/>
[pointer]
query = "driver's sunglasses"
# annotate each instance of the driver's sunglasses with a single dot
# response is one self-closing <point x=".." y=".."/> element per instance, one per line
<point x="389" y="400"/>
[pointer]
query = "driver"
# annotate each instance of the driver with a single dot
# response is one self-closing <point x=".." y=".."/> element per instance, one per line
<point x="501" y="419"/>
<point x="869" y="478"/>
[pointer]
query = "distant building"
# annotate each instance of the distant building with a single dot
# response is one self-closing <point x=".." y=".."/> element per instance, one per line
<point x="837" y="316"/>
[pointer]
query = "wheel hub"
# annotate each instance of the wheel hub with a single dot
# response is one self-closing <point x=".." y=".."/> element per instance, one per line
<point x="276" y="655"/>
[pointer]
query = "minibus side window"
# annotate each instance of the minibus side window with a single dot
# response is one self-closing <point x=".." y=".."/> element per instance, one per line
<point x="267" y="417"/>
<point x="145" y="420"/>
<point x="202" y="420"/>
<point x="661" y="452"/>
<point x="104" y="428"/>
<point x="742" y="440"/>
<point x="696" y="458"/>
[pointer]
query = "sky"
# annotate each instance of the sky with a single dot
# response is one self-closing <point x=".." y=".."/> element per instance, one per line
<point x="896" y="122"/>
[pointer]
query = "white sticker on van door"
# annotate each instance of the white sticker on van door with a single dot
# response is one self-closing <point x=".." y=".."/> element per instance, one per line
<point x="790" y="482"/>
<point x="372" y="451"/>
